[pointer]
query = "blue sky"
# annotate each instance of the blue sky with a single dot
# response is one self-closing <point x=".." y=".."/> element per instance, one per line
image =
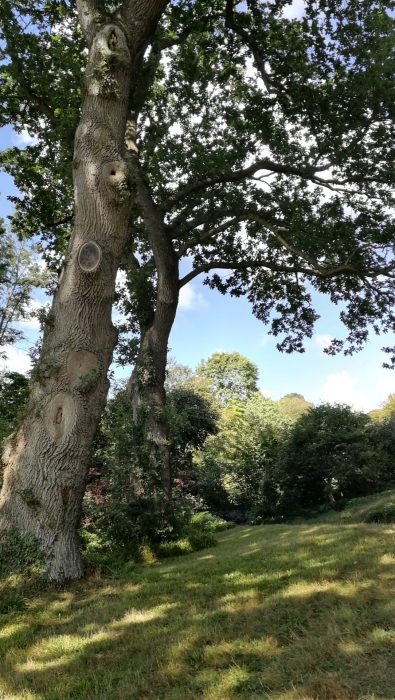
<point x="207" y="322"/>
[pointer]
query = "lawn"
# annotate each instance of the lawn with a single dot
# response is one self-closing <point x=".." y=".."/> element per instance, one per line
<point x="302" y="611"/>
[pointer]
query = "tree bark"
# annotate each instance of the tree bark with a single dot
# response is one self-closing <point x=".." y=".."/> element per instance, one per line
<point x="146" y="385"/>
<point x="46" y="460"/>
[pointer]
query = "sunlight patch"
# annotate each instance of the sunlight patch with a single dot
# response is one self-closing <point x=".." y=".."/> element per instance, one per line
<point x="135" y="616"/>
<point x="12" y="629"/>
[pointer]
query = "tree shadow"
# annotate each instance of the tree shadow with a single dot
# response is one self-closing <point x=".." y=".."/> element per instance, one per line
<point x="305" y="614"/>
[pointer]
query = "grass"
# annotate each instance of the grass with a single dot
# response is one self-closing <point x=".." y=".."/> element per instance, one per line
<point x="290" y="612"/>
<point x="380" y="507"/>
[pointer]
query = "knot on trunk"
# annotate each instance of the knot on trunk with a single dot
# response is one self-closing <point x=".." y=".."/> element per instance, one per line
<point x="89" y="256"/>
<point x="117" y="181"/>
<point x="109" y="52"/>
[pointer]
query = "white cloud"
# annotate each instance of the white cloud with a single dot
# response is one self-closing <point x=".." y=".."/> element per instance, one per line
<point x="341" y="387"/>
<point x="16" y="360"/>
<point x="23" y="138"/>
<point x="294" y="9"/>
<point x="386" y="384"/>
<point x="190" y="299"/>
<point x="323" y="341"/>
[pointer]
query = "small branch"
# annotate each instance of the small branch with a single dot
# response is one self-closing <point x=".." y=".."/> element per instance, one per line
<point x="230" y="23"/>
<point x="59" y="222"/>
<point x="206" y="235"/>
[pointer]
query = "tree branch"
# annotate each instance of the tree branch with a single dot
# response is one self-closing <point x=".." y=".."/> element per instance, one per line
<point x="237" y="176"/>
<point x="140" y="20"/>
<point x="230" y="23"/>
<point x="268" y="265"/>
<point x="91" y="13"/>
<point x="206" y="235"/>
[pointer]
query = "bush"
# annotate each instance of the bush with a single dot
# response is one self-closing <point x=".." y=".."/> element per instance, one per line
<point x="381" y="514"/>
<point x="208" y="521"/>
<point x="174" y="549"/>
<point x="22" y="571"/>
<point x="20" y="555"/>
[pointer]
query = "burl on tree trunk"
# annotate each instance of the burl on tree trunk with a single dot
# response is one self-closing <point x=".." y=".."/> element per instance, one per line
<point x="46" y="460"/>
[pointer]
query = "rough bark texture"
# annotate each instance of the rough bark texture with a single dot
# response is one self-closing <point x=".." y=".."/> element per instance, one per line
<point x="146" y="385"/>
<point x="46" y="460"/>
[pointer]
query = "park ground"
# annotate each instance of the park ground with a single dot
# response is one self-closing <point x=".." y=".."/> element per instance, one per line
<point x="302" y="611"/>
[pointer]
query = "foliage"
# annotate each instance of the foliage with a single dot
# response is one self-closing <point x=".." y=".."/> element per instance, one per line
<point x="192" y="417"/>
<point x="361" y="510"/>
<point x="230" y="376"/>
<point x="20" y="272"/>
<point x="123" y="505"/>
<point x="327" y="457"/>
<point x="19" y="554"/>
<point x="13" y="398"/>
<point x="233" y="463"/>
<point x="385" y="514"/>
<point x="208" y="521"/>
<point x="177" y="375"/>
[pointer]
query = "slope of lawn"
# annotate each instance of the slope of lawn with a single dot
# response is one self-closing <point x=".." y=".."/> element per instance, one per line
<point x="302" y="611"/>
<point x="380" y="507"/>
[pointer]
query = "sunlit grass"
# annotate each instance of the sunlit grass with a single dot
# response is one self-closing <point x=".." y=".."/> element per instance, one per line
<point x="282" y="612"/>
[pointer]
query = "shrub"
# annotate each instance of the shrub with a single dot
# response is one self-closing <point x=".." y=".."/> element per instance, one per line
<point x="381" y="514"/>
<point x="208" y="521"/>
<point x="20" y="555"/>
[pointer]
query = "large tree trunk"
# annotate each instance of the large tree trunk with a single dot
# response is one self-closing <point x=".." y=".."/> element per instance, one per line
<point x="46" y="460"/>
<point x="146" y="385"/>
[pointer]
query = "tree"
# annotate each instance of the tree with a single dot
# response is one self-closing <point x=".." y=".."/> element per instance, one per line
<point x="325" y="459"/>
<point x="386" y="411"/>
<point x="235" y="461"/>
<point x="293" y="405"/>
<point x="281" y="179"/>
<point x="46" y="460"/>
<point x="177" y="375"/>
<point x="230" y="376"/>
<point x="19" y="274"/>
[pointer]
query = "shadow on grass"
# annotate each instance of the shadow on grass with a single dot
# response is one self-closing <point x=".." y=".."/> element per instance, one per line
<point x="273" y="612"/>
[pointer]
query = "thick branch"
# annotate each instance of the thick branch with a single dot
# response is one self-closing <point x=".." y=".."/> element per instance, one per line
<point x="242" y="265"/>
<point x="140" y="20"/>
<point x="268" y="265"/>
<point x="91" y="13"/>
<point x="161" y="244"/>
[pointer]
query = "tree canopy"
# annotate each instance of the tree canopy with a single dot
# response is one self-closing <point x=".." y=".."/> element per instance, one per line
<point x="265" y="143"/>
<point x="230" y="376"/>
